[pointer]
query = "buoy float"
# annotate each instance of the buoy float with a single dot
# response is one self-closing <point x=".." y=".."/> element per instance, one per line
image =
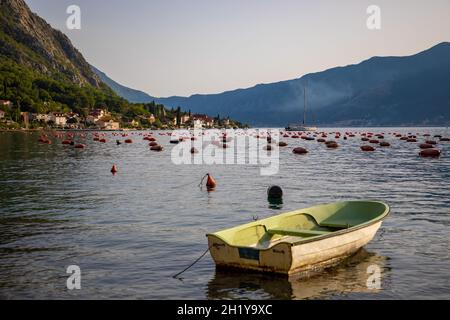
<point x="411" y="140"/>
<point x="321" y="140"/>
<point x="431" y="142"/>
<point x="426" y="146"/>
<point x="210" y="183"/>
<point x="365" y="139"/>
<point x="128" y="141"/>
<point x="114" y="169"/>
<point x="385" y="144"/>
<point x="79" y="146"/>
<point x="430" y="153"/>
<point x="66" y="142"/>
<point x="444" y="139"/>
<point x="102" y="140"/>
<point x="194" y="150"/>
<point x="331" y="144"/>
<point x="268" y="147"/>
<point x="367" y="148"/>
<point x="153" y="143"/>
<point x="157" y="148"/>
<point x="299" y="150"/>
<point x="374" y="141"/>
<point x="282" y="144"/>
<point x="118" y="142"/>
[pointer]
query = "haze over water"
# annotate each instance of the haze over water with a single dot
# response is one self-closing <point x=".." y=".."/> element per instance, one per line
<point x="129" y="233"/>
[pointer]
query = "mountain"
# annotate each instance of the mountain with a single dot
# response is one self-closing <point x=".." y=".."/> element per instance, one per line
<point x="30" y="40"/>
<point x="40" y="69"/>
<point x="131" y="95"/>
<point x="411" y="90"/>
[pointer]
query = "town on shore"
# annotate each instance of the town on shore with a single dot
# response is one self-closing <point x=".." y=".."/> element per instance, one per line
<point x="11" y="118"/>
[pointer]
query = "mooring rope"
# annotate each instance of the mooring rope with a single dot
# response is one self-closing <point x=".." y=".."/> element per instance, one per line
<point x="198" y="259"/>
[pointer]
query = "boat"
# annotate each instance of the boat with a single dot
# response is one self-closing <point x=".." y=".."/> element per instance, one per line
<point x="302" y="126"/>
<point x="301" y="241"/>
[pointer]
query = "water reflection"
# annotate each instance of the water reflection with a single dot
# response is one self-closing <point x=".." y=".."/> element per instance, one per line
<point x="348" y="277"/>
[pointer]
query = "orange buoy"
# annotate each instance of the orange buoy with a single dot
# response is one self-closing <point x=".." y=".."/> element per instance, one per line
<point x="385" y="144"/>
<point x="331" y="144"/>
<point x="157" y="148"/>
<point x="210" y="183"/>
<point x="367" y="148"/>
<point x="114" y="169"/>
<point x="430" y="153"/>
<point x="300" y="150"/>
<point x="426" y="146"/>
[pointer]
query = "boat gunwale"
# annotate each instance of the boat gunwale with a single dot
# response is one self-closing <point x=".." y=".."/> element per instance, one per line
<point x="382" y="216"/>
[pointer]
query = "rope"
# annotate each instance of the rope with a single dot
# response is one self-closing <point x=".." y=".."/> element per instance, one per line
<point x="200" y="185"/>
<point x="198" y="259"/>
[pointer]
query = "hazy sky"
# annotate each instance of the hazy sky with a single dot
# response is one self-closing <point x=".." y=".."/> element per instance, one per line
<point x="182" y="47"/>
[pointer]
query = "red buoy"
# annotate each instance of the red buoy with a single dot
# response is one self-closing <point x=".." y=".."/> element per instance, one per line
<point x="210" y="183"/>
<point x="385" y="144"/>
<point x="114" y="169"/>
<point x="426" y="146"/>
<point x="374" y="141"/>
<point x="367" y="148"/>
<point x="300" y="150"/>
<point x="66" y="142"/>
<point x="430" y="153"/>
<point x="282" y="144"/>
<point x="153" y="143"/>
<point x="331" y="144"/>
<point x="157" y="148"/>
<point x="128" y="141"/>
<point x="79" y="146"/>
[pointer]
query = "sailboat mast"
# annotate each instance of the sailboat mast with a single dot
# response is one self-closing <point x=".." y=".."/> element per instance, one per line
<point x="304" y="101"/>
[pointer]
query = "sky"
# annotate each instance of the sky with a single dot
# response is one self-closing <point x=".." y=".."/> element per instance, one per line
<point x="184" y="47"/>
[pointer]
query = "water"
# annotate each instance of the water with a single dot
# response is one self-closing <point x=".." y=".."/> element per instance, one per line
<point x="130" y="232"/>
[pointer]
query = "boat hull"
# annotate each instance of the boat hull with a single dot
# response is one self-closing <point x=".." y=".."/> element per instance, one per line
<point x="287" y="258"/>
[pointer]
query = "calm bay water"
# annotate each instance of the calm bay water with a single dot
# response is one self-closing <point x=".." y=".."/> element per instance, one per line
<point x="129" y="233"/>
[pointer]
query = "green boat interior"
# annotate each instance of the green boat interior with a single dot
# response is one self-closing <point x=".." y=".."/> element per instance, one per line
<point x="304" y="224"/>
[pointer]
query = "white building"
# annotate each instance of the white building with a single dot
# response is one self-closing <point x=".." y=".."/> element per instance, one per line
<point x="59" y="119"/>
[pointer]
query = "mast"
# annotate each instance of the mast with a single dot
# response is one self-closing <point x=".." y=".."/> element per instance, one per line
<point x="304" y="101"/>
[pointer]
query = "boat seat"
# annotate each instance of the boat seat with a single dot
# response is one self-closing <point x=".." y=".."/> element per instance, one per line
<point x="297" y="232"/>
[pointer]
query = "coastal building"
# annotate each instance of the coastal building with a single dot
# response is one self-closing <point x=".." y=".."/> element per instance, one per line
<point x="59" y="119"/>
<point x="202" y="120"/>
<point x="42" y="117"/>
<point x="6" y="103"/>
<point x="108" y="125"/>
<point x="97" y="115"/>
<point x="151" y="118"/>
<point x="2" y="114"/>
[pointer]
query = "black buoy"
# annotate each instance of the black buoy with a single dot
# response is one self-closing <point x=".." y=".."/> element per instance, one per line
<point x="118" y="142"/>
<point x="275" y="192"/>
<point x="275" y="197"/>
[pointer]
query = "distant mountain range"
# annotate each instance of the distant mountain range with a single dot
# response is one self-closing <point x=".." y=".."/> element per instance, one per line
<point x="411" y="90"/>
